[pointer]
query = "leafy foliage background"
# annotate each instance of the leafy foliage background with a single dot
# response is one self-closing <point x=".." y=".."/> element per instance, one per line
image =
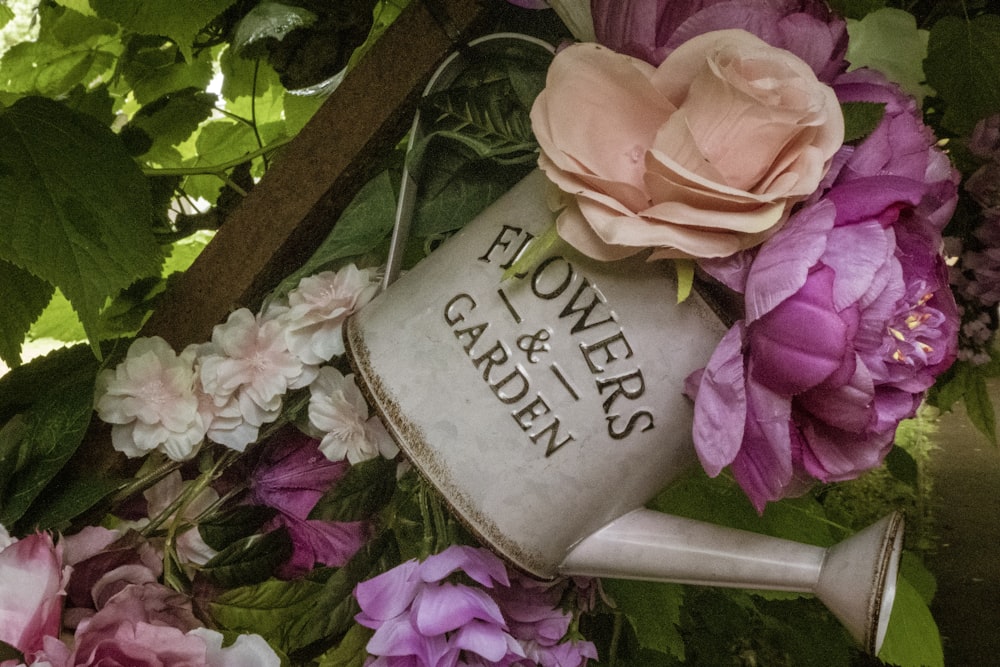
<point x="128" y="130"/>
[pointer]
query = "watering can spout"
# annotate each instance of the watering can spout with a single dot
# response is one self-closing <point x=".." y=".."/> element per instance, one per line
<point x="855" y="579"/>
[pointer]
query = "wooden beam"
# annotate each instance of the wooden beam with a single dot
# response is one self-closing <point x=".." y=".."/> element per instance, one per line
<point x="292" y="209"/>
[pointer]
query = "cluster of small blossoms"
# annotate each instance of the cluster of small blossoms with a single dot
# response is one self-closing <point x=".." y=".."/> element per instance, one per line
<point x="976" y="274"/>
<point x="225" y="390"/>
<point x="462" y="606"/>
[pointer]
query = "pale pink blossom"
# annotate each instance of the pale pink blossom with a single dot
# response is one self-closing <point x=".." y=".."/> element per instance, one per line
<point x="191" y="548"/>
<point x="150" y="401"/>
<point x="700" y="157"/>
<point x="246" y="370"/>
<point x="32" y="583"/>
<point x="316" y="310"/>
<point x="339" y="415"/>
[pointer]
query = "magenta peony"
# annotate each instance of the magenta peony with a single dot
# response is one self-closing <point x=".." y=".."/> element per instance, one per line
<point x="700" y="157"/>
<point x="848" y="319"/>
<point x="652" y="29"/>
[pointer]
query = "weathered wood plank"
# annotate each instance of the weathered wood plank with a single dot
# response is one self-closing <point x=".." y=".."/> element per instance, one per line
<point x="290" y="211"/>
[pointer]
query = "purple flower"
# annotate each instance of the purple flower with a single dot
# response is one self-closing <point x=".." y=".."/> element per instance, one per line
<point x="291" y="476"/>
<point x="848" y="315"/>
<point x="650" y="30"/>
<point x="430" y="614"/>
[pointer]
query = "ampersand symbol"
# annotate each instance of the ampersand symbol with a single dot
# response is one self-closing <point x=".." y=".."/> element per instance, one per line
<point x="534" y="344"/>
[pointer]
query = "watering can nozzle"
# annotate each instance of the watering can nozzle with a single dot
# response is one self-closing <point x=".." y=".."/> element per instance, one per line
<point x="855" y="579"/>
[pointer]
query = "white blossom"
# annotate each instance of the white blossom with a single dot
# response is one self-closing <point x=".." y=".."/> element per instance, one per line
<point x="246" y="371"/>
<point x="150" y="401"/>
<point x="316" y="309"/>
<point x="246" y="651"/>
<point x="339" y="415"/>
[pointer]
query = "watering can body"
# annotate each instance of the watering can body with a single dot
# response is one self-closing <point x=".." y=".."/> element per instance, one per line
<point x="547" y="408"/>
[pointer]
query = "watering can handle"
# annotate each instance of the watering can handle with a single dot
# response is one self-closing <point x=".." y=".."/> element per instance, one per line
<point x="441" y="79"/>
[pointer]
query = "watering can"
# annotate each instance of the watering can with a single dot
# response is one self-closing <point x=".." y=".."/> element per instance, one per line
<point x="547" y="410"/>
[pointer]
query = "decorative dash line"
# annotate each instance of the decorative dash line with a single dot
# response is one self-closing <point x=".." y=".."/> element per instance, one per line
<point x="510" y="306"/>
<point x="562" y="378"/>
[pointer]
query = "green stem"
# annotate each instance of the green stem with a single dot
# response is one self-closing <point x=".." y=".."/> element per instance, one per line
<point x="216" y="169"/>
<point x="616" y="634"/>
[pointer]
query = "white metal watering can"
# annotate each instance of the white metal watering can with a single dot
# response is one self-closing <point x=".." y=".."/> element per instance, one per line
<point x="547" y="409"/>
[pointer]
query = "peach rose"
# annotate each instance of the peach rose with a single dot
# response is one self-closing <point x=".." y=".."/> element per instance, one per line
<point x="702" y="156"/>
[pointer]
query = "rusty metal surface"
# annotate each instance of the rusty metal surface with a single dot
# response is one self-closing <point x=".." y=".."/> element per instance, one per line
<point x="315" y="177"/>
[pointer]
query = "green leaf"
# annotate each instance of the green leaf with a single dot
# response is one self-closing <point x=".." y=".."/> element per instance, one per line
<point x="292" y="615"/>
<point x="180" y="20"/>
<point x="902" y="465"/>
<point x="685" y="278"/>
<point x="912" y="639"/>
<point x="71" y="49"/>
<point x="721" y="501"/>
<point x="653" y="610"/>
<point x="963" y="66"/>
<point x="269" y="20"/>
<point x="912" y="568"/>
<point x="903" y="63"/>
<point x="861" y="119"/>
<point x="172" y="119"/>
<point x="249" y="560"/>
<point x="350" y="651"/>
<point x="67" y="496"/>
<point x="23" y="298"/>
<point x="77" y="208"/>
<point x="238" y="523"/>
<point x="32" y="383"/>
<point x="454" y="188"/>
<point x="6" y="14"/>
<point x="59" y="322"/>
<point x="979" y="407"/>
<point x="154" y="71"/>
<point x="364" y="490"/>
<point x="35" y="445"/>
<point x="365" y="225"/>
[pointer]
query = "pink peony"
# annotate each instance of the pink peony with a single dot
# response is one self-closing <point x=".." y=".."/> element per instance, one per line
<point x="32" y="580"/>
<point x="152" y="626"/>
<point x="700" y="157"/>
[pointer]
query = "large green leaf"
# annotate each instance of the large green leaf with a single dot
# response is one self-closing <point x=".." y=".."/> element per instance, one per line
<point x="35" y="445"/>
<point x="292" y="615"/>
<point x="912" y="639"/>
<point x="963" y="62"/>
<point x="76" y="208"/>
<point x="653" y="610"/>
<point x="22" y="299"/>
<point x="154" y="70"/>
<point x="180" y="20"/>
<point x="71" y="49"/>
